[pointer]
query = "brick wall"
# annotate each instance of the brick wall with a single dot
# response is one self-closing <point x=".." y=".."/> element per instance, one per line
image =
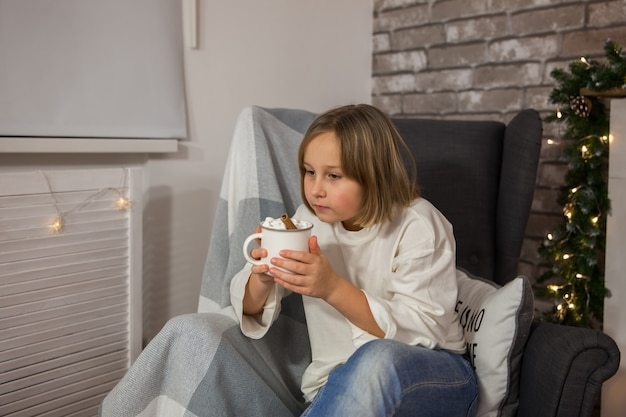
<point x="488" y="59"/>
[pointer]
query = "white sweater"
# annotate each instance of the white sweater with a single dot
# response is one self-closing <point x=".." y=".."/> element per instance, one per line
<point x="407" y="270"/>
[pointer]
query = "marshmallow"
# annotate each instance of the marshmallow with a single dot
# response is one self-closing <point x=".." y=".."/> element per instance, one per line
<point x="278" y="224"/>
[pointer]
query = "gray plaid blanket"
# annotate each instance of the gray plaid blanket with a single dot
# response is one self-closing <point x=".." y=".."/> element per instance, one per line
<point x="261" y="179"/>
<point x="201" y="364"/>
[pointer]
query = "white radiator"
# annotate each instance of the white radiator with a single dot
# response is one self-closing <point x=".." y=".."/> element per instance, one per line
<point x="70" y="299"/>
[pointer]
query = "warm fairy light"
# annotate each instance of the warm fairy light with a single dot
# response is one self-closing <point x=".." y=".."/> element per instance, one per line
<point x="551" y="142"/>
<point x="122" y="203"/>
<point x="568" y="212"/>
<point x="554" y="287"/>
<point x="57" y="225"/>
<point x="550" y="236"/>
<point x="584" y="151"/>
<point x="574" y="249"/>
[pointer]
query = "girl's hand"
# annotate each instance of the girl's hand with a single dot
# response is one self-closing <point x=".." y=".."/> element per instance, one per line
<point x="259" y="283"/>
<point x="260" y="271"/>
<point x="310" y="273"/>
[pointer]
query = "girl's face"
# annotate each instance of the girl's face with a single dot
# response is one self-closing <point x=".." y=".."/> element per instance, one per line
<point x="333" y="196"/>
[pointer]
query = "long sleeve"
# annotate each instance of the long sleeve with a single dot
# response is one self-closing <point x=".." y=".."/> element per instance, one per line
<point x="407" y="270"/>
<point x="417" y="303"/>
<point x="255" y="326"/>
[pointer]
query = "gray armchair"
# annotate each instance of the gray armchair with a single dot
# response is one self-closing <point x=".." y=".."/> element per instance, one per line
<point x="482" y="175"/>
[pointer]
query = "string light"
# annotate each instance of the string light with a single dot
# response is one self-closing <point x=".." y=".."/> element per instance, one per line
<point x="122" y="203"/>
<point x="568" y="211"/>
<point x="58" y="224"/>
<point x="574" y="249"/>
<point x="584" y="151"/>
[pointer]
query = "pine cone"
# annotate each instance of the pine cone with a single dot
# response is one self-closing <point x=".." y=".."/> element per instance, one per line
<point x="581" y="106"/>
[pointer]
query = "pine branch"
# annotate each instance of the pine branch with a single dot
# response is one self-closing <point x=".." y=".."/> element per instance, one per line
<point x="576" y="280"/>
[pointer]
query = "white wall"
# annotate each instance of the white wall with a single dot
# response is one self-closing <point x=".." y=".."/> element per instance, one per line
<point x="613" y="400"/>
<point x="309" y="54"/>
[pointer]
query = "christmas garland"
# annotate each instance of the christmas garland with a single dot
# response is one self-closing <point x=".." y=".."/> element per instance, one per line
<point x="576" y="247"/>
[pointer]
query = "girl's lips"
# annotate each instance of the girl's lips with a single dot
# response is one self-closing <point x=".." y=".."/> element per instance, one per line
<point x="319" y="208"/>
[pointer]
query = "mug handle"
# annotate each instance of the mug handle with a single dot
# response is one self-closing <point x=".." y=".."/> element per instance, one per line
<point x="246" y="243"/>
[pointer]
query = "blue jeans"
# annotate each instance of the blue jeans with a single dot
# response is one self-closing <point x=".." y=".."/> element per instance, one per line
<point x="389" y="378"/>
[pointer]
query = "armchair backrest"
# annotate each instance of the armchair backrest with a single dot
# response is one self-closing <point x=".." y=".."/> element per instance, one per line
<point x="481" y="175"/>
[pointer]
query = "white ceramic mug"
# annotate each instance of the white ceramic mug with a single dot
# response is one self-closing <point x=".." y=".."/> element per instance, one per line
<point x="275" y="240"/>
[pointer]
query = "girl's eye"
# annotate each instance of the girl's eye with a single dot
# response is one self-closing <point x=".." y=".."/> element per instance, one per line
<point x="334" y="176"/>
<point x="309" y="172"/>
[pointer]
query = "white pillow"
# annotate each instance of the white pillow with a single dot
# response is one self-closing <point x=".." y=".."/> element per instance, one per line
<point x="496" y="322"/>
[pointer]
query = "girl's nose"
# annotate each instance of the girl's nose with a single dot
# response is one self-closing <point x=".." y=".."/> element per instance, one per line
<point x="318" y="188"/>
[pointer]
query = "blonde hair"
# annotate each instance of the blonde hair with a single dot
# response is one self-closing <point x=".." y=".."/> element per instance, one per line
<point x="370" y="153"/>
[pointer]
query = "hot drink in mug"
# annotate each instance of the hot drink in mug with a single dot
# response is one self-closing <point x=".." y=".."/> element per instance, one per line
<point x="279" y="234"/>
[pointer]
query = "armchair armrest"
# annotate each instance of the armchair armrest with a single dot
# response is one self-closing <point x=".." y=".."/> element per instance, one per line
<point x="563" y="369"/>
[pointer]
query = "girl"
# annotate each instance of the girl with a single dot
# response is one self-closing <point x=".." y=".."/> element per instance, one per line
<point x="378" y="282"/>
